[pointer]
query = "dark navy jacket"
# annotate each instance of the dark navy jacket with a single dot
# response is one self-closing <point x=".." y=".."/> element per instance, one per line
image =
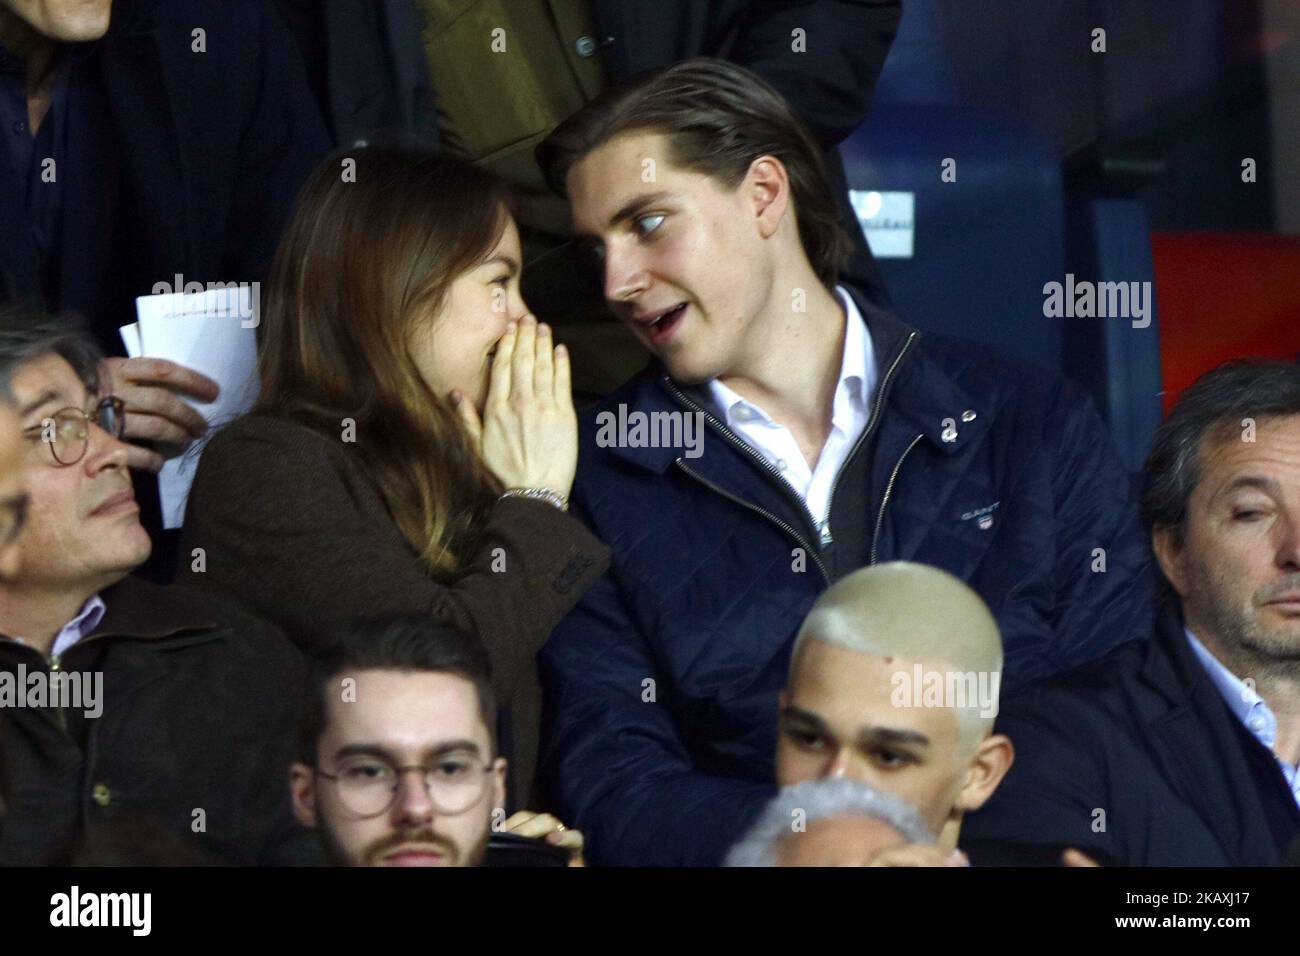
<point x="1136" y="760"/>
<point x="660" y="687"/>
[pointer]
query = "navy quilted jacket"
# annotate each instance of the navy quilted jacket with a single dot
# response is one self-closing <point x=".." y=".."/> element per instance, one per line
<point x="660" y="687"/>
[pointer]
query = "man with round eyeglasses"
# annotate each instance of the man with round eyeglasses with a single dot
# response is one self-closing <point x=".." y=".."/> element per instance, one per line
<point x="398" y="760"/>
<point x="164" y="710"/>
<point x="67" y="430"/>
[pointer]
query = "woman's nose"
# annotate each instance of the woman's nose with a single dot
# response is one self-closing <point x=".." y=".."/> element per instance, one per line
<point x="518" y="307"/>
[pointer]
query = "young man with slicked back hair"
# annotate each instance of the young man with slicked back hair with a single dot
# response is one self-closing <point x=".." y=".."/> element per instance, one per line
<point x="787" y="433"/>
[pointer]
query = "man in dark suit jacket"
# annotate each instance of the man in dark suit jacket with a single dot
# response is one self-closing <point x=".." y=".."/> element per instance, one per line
<point x="1182" y="751"/>
<point x="169" y="142"/>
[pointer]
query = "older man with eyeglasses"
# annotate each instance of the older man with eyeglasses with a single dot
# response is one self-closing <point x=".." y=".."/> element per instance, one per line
<point x="191" y="726"/>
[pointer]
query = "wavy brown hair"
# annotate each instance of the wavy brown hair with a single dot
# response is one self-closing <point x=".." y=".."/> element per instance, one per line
<point x="374" y="243"/>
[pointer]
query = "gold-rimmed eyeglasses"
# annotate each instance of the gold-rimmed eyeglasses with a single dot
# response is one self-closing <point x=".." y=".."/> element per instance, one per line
<point x="67" y="431"/>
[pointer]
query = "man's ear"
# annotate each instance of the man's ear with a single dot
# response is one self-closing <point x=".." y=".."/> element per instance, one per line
<point x="767" y="189"/>
<point x="993" y="758"/>
<point x="499" y="769"/>
<point x="302" y="788"/>
<point x="1169" y="555"/>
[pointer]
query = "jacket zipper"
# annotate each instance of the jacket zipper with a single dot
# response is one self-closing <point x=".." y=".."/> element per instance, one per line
<point x="880" y="516"/>
<point x="876" y="405"/>
<point x="56" y="665"/>
<point x="767" y="466"/>
<point x="789" y="528"/>
<point x="762" y="462"/>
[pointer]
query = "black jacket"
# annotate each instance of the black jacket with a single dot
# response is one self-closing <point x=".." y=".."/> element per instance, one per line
<point x="661" y="687"/>
<point x="178" y="161"/>
<point x="1136" y="760"/>
<point x="199" y="713"/>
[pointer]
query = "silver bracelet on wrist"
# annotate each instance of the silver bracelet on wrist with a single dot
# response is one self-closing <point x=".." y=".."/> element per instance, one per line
<point x="539" y="494"/>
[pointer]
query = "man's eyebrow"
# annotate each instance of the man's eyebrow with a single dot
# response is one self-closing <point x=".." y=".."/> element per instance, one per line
<point x="630" y="209"/>
<point x="1259" y="482"/>
<point x="634" y="206"/>
<point x="869" y="736"/>
<point x="454" y="746"/>
<point x="793" y="713"/>
<point x="49" y="395"/>
<point x="366" y="749"/>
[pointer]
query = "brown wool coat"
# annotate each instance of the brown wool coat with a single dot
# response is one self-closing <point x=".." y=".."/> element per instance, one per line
<point x="291" y="526"/>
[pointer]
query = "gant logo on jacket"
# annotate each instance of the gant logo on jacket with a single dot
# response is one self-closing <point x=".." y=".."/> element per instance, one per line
<point x="983" y="517"/>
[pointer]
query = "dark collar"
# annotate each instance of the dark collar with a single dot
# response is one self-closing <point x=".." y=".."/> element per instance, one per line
<point x="1205" y="751"/>
<point x="137" y="608"/>
<point x="66" y="55"/>
<point x="138" y="18"/>
<point x="9" y="63"/>
<point x="1170" y="666"/>
<point x="924" y="394"/>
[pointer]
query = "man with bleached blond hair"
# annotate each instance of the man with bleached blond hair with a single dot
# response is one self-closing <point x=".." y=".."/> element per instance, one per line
<point x="894" y="683"/>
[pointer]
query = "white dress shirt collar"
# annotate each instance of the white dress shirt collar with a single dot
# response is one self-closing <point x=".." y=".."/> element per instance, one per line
<point x="849" y="414"/>
<point x="1246" y="705"/>
<point x="856" y="385"/>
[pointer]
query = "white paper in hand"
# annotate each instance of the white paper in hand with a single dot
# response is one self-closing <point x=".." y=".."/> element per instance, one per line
<point x="131" y="339"/>
<point x="212" y="332"/>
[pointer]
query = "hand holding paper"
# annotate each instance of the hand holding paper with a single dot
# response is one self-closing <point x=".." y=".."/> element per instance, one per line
<point x="199" y="346"/>
<point x="149" y="386"/>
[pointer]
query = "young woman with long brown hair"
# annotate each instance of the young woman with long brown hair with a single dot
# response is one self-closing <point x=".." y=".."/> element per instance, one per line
<point x="414" y="441"/>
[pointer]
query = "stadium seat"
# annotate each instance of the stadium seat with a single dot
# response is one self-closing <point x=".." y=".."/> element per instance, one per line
<point x="970" y="214"/>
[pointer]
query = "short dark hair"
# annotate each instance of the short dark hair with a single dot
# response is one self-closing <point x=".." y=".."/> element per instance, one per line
<point x="1210" y="410"/>
<point x="719" y="118"/>
<point x="28" y="332"/>
<point x="393" y="644"/>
